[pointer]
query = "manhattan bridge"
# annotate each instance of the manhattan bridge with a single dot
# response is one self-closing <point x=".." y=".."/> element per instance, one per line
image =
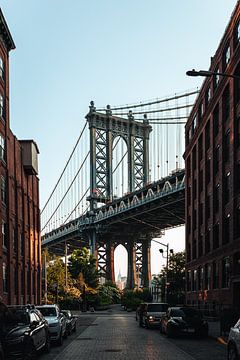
<point x="123" y="184"/>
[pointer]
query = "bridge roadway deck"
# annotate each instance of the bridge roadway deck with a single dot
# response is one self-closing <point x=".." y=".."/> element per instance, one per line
<point x="146" y="212"/>
<point x="116" y="335"/>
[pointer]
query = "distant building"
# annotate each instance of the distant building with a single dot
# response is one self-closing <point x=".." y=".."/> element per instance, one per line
<point x="121" y="281"/>
<point x="20" y="247"/>
<point x="212" y="159"/>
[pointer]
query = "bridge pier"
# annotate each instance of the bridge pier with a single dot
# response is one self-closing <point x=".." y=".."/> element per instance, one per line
<point x="131" y="275"/>
<point x="110" y="273"/>
<point x="146" y="262"/>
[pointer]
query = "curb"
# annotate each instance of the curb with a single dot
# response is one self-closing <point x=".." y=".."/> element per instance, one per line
<point x="221" y="340"/>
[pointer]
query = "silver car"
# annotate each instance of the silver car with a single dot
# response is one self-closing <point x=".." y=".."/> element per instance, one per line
<point x="56" y="321"/>
<point x="233" y="346"/>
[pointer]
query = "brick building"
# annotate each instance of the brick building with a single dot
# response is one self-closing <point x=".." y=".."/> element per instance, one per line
<point x="20" y="248"/>
<point x="212" y="159"/>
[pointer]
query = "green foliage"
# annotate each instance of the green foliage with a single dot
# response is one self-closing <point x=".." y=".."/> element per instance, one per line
<point x="82" y="262"/>
<point x="132" y="298"/>
<point x="175" y="277"/>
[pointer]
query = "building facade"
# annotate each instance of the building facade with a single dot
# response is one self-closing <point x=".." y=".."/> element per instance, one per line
<point x="20" y="247"/>
<point x="212" y="159"/>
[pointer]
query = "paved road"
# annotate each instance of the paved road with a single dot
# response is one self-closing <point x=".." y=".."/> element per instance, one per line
<point x="116" y="336"/>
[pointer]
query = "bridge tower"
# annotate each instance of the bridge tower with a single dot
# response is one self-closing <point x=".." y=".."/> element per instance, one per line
<point x="104" y="129"/>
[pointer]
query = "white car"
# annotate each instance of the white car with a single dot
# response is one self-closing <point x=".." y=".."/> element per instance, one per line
<point x="56" y="321"/>
<point x="151" y="314"/>
<point x="233" y="346"/>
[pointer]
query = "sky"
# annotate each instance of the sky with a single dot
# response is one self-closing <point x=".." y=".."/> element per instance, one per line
<point x="69" y="52"/>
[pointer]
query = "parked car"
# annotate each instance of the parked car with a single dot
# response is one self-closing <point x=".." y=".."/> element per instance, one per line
<point x="1" y="352"/>
<point x="233" y="346"/>
<point x="150" y="314"/>
<point x="25" y="332"/>
<point x="183" y="320"/>
<point x="71" y="321"/>
<point x="56" y="320"/>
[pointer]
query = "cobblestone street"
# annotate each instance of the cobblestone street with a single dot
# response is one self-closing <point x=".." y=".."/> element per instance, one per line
<point x="116" y="335"/>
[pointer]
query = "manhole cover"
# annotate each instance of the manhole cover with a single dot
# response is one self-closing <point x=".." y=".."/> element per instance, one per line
<point x="84" y="338"/>
<point x="112" y="350"/>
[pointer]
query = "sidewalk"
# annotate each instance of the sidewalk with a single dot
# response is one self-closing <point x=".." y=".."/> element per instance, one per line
<point x="214" y="332"/>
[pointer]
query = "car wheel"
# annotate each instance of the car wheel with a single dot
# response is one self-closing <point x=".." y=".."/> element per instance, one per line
<point x="232" y="352"/>
<point x="60" y="340"/>
<point x="47" y="345"/>
<point x="65" y="334"/>
<point x="30" y="352"/>
<point x="75" y="328"/>
<point x="160" y="328"/>
<point x="169" y="332"/>
<point x="146" y="324"/>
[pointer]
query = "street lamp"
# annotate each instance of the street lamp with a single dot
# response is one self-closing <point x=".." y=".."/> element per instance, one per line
<point x="207" y="73"/>
<point x="167" y="258"/>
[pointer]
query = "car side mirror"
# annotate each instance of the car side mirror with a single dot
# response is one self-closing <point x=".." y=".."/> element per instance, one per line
<point x="34" y="324"/>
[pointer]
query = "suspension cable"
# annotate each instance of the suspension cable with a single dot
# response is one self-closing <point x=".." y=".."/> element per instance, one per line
<point x="64" y="168"/>
<point x="66" y="192"/>
<point x="151" y="102"/>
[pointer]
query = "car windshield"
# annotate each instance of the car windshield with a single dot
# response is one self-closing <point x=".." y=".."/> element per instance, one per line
<point x="187" y="313"/>
<point x="157" y="307"/>
<point x="48" y="311"/>
<point x="17" y="317"/>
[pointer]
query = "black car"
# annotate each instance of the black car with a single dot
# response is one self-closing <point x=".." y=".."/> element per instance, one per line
<point x="182" y="321"/>
<point x="24" y="332"/>
<point x="1" y="352"/>
<point x="71" y="321"/>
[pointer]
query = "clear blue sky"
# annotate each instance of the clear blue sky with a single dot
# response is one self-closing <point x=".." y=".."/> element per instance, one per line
<point x="69" y="52"/>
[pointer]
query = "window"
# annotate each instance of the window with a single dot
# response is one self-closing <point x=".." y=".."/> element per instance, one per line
<point x="200" y="181"/>
<point x="194" y="164"/>
<point x="22" y="243"/>
<point x="200" y="214"/>
<point x="207" y="136"/>
<point x="207" y="207"/>
<point x="216" y="78"/>
<point x="2" y="147"/>
<point x="216" y="196"/>
<point x="215" y="275"/>
<point x="216" y="158"/>
<point x="200" y="112"/>
<point x="227" y="145"/>
<point x="216" y="120"/>
<point x="207" y="276"/>
<point x="207" y="241"/>
<point x="208" y="171"/>
<point x="227" y="55"/>
<point x="238" y="132"/>
<point x="207" y="97"/>
<point x="237" y="223"/>
<point x="194" y="280"/>
<point x="237" y="177"/>
<point x="238" y="31"/>
<point x="14" y="239"/>
<point x="216" y="236"/>
<point x="226" y="229"/>
<point x="4" y="237"/>
<point x="189" y="278"/>
<point x="226" y="104"/>
<point x="1" y="106"/>
<point x="194" y="124"/>
<point x="16" y="280"/>
<point x="225" y="272"/>
<point x="226" y="193"/>
<point x="3" y="189"/>
<point x="200" y="148"/>
<point x="1" y="67"/>
<point x="200" y="246"/>
<point x="194" y="249"/>
<point x="194" y="189"/>
<point x="5" y="284"/>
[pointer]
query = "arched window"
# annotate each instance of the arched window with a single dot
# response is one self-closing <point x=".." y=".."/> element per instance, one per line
<point x="1" y="67"/>
<point x="1" y="106"/>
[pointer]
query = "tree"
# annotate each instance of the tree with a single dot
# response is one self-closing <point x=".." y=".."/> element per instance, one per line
<point x="175" y="278"/>
<point x="82" y="262"/>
